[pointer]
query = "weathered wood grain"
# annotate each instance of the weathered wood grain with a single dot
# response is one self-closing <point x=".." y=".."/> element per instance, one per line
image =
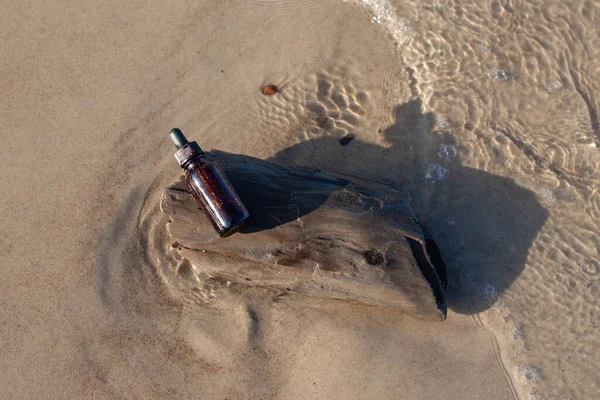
<point x="317" y="234"/>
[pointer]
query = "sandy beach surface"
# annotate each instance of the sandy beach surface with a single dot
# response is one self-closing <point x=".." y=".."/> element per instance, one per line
<point x="486" y="111"/>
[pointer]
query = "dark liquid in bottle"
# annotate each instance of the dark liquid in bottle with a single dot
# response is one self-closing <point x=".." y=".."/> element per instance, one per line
<point x="213" y="191"/>
<point x="210" y="187"/>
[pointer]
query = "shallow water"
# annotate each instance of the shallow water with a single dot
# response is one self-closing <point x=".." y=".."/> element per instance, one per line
<point x="486" y="112"/>
<point x="515" y="86"/>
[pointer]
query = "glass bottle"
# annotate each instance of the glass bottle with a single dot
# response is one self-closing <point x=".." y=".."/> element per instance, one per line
<point x="210" y="187"/>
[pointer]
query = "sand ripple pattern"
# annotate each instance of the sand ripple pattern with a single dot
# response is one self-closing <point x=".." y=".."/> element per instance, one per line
<point x="326" y="103"/>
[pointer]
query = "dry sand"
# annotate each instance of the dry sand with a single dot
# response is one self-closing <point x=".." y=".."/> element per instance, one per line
<point x="487" y="111"/>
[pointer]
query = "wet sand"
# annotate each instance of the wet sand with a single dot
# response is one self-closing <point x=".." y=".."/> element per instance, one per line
<point x="485" y="112"/>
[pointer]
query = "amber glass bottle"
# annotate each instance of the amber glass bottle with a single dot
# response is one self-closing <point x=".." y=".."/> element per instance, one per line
<point x="210" y="187"/>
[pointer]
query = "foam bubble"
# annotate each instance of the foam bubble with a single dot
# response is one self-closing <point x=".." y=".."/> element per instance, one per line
<point x="435" y="172"/>
<point x="442" y="124"/>
<point x="382" y="12"/>
<point x="483" y="48"/>
<point x="490" y="293"/>
<point x="498" y="75"/>
<point x="547" y="195"/>
<point x="447" y="151"/>
<point x="554" y="87"/>
<point x="529" y="374"/>
<point x="517" y="332"/>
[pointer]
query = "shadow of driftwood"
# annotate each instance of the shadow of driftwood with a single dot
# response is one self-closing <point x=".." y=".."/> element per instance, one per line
<point x="484" y="224"/>
<point x="270" y="191"/>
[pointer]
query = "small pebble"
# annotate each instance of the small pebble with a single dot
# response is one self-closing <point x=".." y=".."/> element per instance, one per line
<point x="347" y="139"/>
<point x="270" y="90"/>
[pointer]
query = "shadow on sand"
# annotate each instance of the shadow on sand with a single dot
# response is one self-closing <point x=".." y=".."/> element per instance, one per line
<point x="484" y="224"/>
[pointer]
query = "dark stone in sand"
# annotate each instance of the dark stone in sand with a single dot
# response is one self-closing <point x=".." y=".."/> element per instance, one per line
<point x="347" y="139"/>
<point x="317" y="234"/>
<point x="270" y="90"/>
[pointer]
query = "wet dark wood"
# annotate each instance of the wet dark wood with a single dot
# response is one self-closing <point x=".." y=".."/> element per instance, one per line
<point x="317" y="234"/>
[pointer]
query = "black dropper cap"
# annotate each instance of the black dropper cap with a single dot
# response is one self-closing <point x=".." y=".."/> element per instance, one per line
<point x="186" y="151"/>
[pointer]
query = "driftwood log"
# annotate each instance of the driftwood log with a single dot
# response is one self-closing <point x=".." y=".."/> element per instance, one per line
<point x="314" y="233"/>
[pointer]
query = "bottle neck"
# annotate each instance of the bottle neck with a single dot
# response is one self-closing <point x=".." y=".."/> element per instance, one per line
<point x="194" y="163"/>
